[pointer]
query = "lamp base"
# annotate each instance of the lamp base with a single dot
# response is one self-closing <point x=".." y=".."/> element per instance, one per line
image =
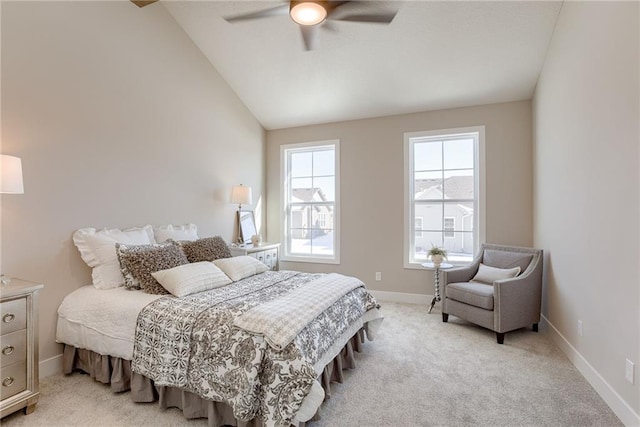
<point x="5" y="280"/>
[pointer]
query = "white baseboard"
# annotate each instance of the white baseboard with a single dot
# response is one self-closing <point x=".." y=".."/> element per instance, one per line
<point x="402" y="297"/>
<point x="50" y="366"/>
<point x="617" y="404"/>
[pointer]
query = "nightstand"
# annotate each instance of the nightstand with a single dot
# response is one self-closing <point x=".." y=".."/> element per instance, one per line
<point x="267" y="253"/>
<point x="19" y="346"/>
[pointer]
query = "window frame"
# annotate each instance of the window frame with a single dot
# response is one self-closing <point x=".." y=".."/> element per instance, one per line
<point x="479" y="189"/>
<point x="286" y="255"/>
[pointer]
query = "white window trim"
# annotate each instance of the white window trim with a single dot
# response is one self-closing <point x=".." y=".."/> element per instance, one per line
<point x="479" y="188"/>
<point x="285" y="256"/>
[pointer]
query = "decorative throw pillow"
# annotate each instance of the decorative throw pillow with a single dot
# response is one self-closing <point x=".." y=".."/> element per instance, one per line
<point x="188" y="279"/>
<point x="163" y="233"/>
<point x="206" y="249"/>
<point x="487" y="274"/>
<point x="239" y="267"/>
<point x="138" y="262"/>
<point x="505" y="259"/>
<point x="98" y="250"/>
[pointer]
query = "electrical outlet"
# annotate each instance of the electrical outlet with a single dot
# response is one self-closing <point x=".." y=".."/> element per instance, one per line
<point x="580" y="328"/>
<point x="378" y="275"/>
<point x="628" y="372"/>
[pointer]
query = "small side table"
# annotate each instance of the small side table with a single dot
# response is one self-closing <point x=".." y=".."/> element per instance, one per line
<point x="431" y="266"/>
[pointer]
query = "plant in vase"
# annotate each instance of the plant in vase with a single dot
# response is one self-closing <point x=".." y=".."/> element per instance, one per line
<point x="437" y="255"/>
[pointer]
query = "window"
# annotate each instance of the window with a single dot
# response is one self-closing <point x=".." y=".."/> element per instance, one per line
<point x="310" y="195"/>
<point x="444" y="181"/>
<point x="418" y="226"/>
<point x="322" y="218"/>
<point x="449" y="226"/>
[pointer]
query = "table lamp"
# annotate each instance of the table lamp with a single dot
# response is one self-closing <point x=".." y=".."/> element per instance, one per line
<point x="11" y="175"/>
<point x="242" y="196"/>
<point x="10" y="183"/>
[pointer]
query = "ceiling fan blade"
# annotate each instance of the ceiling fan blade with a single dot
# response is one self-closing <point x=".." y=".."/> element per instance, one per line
<point x="308" y="35"/>
<point x="143" y="3"/>
<point x="329" y="26"/>
<point x="382" y="18"/>
<point x="331" y="5"/>
<point x="274" y="11"/>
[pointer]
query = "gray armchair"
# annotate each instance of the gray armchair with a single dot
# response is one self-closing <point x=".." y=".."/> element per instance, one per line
<point x="504" y="305"/>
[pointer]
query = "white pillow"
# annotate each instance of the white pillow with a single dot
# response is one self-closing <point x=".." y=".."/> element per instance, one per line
<point x="188" y="279"/>
<point x="178" y="233"/>
<point x="487" y="274"/>
<point x="239" y="267"/>
<point x="98" y="250"/>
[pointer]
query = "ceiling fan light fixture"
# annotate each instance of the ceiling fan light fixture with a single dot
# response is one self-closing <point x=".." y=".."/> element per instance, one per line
<point x="308" y="12"/>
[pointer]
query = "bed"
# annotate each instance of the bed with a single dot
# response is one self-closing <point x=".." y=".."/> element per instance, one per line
<point x="260" y="350"/>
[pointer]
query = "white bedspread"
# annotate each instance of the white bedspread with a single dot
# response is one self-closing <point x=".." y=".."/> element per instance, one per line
<point x="282" y="319"/>
<point x="101" y="320"/>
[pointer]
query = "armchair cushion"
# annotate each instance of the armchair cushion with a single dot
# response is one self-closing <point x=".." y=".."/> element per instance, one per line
<point x="489" y="275"/>
<point x="506" y="259"/>
<point x="472" y="293"/>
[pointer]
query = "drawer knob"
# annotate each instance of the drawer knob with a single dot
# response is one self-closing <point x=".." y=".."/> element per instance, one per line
<point x="7" y="382"/>
<point x="8" y="350"/>
<point x="7" y="318"/>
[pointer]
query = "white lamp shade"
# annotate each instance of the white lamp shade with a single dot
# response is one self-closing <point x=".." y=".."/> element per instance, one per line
<point x="241" y="195"/>
<point x="307" y="12"/>
<point x="11" y="175"/>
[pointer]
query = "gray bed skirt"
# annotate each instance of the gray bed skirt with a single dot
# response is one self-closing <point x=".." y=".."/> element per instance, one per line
<point x="117" y="372"/>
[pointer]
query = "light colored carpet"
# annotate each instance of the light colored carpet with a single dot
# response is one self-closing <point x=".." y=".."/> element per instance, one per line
<point x="419" y="372"/>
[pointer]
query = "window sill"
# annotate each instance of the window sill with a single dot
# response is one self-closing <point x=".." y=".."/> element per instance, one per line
<point x="309" y="260"/>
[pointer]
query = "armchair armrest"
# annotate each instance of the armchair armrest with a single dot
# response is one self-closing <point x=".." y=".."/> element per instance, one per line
<point x="517" y="301"/>
<point x="461" y="274"/>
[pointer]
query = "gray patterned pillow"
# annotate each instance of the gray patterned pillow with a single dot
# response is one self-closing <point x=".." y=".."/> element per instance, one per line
<point x="206" y="249"/>
<point x="137" y="262"/>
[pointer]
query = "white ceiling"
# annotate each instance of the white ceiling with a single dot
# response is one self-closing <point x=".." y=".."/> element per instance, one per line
<point x="433" y="55"/>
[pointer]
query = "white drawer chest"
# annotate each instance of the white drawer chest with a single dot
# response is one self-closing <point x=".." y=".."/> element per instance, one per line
<point x="267" y="253"/>
<point x="19" y="346"/>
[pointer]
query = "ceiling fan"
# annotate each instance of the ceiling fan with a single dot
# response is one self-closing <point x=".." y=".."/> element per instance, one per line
<point x="309" y="14"/>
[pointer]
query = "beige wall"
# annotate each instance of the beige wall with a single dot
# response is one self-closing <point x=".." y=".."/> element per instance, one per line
<point x="586" y="119"/>
<point x="120" y="121"/>
<point x="372" y="176"/>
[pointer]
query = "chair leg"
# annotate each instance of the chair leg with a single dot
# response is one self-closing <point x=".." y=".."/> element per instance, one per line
<point x="445" y="317"/>
<point x="535" y="327"/>
<point x="500" y="337"/>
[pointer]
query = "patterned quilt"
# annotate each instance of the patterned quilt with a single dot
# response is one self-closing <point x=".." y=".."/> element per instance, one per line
<point x="192" y="343"/>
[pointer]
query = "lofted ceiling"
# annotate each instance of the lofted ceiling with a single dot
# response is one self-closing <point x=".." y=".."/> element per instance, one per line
<point x="434" y="55"/>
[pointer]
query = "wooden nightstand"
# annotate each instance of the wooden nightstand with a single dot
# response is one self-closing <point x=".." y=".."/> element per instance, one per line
<point x="19" y="346"/>
<point x="267" y="253"/>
